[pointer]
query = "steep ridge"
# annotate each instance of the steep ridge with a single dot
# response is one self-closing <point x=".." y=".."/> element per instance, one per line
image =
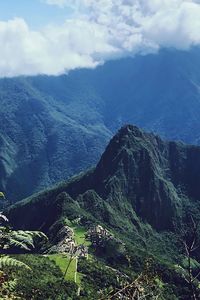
<point x="138" y="178"/>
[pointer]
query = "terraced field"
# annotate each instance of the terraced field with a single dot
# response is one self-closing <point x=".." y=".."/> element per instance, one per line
<point x="62" y="260"/>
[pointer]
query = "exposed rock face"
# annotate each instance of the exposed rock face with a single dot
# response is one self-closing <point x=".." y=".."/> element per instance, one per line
<point x="65" y="241"/>
<point x="97" y="234"/>
<point x="139" y="177"/>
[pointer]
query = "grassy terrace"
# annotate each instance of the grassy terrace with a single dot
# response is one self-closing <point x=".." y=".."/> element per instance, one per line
<point x="79" y="236"/>
<point x="62" y="260"/>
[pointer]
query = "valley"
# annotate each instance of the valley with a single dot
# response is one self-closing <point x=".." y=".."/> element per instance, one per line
<point x="141" y="194"/>
<point x="54" y="127"/>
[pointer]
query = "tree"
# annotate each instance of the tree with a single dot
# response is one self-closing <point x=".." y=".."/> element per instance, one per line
<point x="13" y="241"/>
<point x="146" y="286"/>
<point x="3" y="202"/>
<point x="10" y="242"/>
<point x="191" y="243"/>
<point x="2" y="195"/>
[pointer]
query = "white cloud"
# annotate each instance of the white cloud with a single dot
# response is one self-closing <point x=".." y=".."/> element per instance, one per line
<point x="54" y="50"/>
<point x="60" y="3"/>
<point x="145" y="25"/>
<point x="97" y="31"/>
<point x="65" y="3"/>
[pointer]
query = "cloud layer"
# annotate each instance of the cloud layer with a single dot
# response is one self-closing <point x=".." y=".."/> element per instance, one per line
<point x="60" y="3"/>
<point x="97" y="31"/>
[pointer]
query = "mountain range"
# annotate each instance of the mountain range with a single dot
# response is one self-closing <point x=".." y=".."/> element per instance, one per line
<point x="53" y="127"/>
<point x="143" y="190"/>
<point x="139" y="177"/>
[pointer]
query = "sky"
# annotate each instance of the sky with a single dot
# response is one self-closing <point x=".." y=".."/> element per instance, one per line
<point x="55" y="36"/>
<point x="36" y="13"/>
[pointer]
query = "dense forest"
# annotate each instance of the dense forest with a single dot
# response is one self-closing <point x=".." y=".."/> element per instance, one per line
<point x="53" y="127"/>
<point x="127" y="228"/>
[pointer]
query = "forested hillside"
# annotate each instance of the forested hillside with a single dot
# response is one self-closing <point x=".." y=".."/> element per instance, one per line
<point x="54" y="127"/>
<point x="140" y="202"/>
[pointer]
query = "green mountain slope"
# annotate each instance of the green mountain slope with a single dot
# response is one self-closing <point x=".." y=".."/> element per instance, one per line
<point x="53" y="127"/>
<point x="138" y="176"/>
<point x="142" y="190"/>
<point x="40" y="143"/>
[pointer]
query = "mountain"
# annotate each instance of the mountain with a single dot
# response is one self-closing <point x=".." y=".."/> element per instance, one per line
<point x="143" y="191"/>
<point x="53" y="127"/>
<point x="158" y="92"/>
<point x="139" y="177"/>
<point x="40" y="142"/>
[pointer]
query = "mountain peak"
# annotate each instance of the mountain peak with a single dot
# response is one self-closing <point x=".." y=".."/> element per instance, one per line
<point x="129" y="131"/>
<point x="138" y="176"/>
<point x="128" y="128"/>
<point x="129" y="141"/>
